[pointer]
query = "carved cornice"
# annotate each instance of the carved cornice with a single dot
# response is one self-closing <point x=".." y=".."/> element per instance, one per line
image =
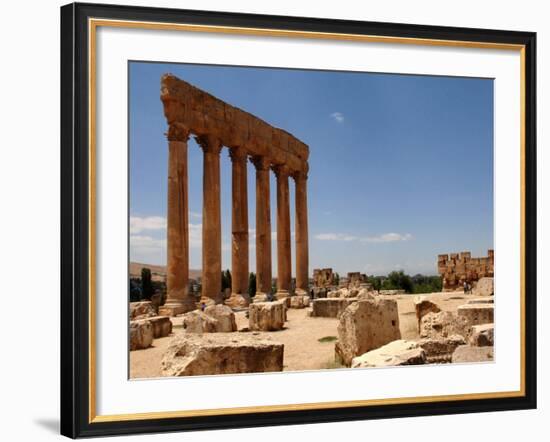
<point x="209" y="144"/>
<point x="281" y="170"/>
<point x="177" y="132"/>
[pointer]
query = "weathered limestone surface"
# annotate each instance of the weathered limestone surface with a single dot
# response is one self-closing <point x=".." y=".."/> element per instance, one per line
<point x="260" y="297"/>
<point x="323" y="278"/>
<point x="484" y="287"/>
<point x="330" y="307"/>
<point x="423" y="306"/>
<point x="482" y="335"/>
<point x="190" y="355"/>
<point x="440" y="350"/>
<point x="199" y="322"/>
<point x="475" y="314"/>
<point x="225" y="317"/>
<point x="141" y="310"/>
<point x="283" y="231"/>
<point x="162" y="326"/>
<point x="301" y="229"/>
<point x="485" y="300"/>
<point x="366" y="325"/>
<point x="399" y="352"/>
<point x="457" y="268"/>
<point x="238" y="300"/>
<point x="141" y="334"/>
<point x="468" y="353"/>
<point x="391" y="292"/>
<point x="299" y="301"/>
<point x="266" y="316"/>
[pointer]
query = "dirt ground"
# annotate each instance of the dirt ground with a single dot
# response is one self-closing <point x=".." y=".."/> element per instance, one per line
<point x="309" y="342"/>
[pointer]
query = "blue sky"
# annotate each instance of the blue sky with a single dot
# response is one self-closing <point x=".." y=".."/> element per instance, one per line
<point x="401" y="167"/>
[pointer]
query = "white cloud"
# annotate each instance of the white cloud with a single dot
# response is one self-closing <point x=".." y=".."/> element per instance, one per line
<point x="388" y="237"/>
<point x="195" y="214"/>
<point x="385" y="237"/>
<point x="335" y="237"/>
<point x="337" y="116"/>
<point x="139" y="224"/>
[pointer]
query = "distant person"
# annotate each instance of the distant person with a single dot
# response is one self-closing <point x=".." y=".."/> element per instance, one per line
<point x="465" y="287"/>
<point x="203" y="306"/>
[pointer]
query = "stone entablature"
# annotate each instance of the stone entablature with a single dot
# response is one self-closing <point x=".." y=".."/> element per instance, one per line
<point x="204" y="114"/>
<point x="457" y="268"/>
<point x="215" y="125"/>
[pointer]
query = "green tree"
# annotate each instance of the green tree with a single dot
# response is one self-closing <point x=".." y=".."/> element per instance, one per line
<point x="146" y="284"/>
<point x="336" y="279"/>
<point x="252" y="284"/>
<point x="226" y="280"/>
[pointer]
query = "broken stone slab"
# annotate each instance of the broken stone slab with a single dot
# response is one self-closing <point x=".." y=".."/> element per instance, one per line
<point x="299" y="301"/>
<point x="484" y="287"/>
<point x="266" y="316"/>
<point x="423" y="306"/>
<point x="468" y="353"/>
<point x="440" y="350"/>
<point x="482" y="335"/>
<point x="225" y="317"/>
<point x="475" y="314"/>
<point x="223" y="353"/>
<point x="141" y="310"/>
<point x="199" y="322"/>
<point x="481" y="301"/>
<point x="141" y="334"/>
<point x="162" y="326"/>
<point x="330" y="307"/>
<point x="399" y="352"/>
<point x="366" y="325"/>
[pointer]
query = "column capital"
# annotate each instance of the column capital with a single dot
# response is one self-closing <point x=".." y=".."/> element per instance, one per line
<point x="177" y="132"/>
<point x="299" y="175"/>
<point x="209" y="143"/>
<point x="261" y="163"/>
<point x="238" y="154"/>
<point x="281" y="170"/>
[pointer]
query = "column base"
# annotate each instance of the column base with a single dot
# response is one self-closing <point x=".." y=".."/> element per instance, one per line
<point x="238" y="300"/>
<point x="301" y="292"/>
<point x="174" y="308"/>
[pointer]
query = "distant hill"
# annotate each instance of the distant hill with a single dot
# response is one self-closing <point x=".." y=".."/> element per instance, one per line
<point x="158" y="272"/>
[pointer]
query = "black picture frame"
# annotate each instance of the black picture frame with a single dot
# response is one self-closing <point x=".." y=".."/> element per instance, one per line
<point x="75" y="219"/>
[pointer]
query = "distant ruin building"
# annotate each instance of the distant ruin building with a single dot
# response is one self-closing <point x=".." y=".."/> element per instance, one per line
<point x="457" y="268"/>
<point x="355" y="279"/>
<point x="323" y="278"/>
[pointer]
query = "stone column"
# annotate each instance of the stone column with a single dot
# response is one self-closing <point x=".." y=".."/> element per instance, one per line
<point x="211" y="221"/>
<point x="177" y="270"/>
<point x="263" y="226"/>
<point x="302" y="253"/>
<point x="239" y="229"/>
<point x="283" y="232"/>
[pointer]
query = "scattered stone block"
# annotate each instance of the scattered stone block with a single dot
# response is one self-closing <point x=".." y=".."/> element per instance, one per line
<point x="261" y="297"/>
<point x="364" y="326"/>
<point x="468" y="353"/>
<point x="440" y="350"/>
<point x="482" y="335"/>
<point x="330" y="307"/>
<point x="475" y="314"/>
<point x="225" y="317"/>
<point x="141" y="334"/>
<point x="299" y="301"/>
<point x="192" y="355"/>
<point x="422" y="306"/>
<point x="162" y="326"/>
<point x="400" y="352"/>
<point x="237" y="300"/>
<point x="199" y="322"/>
<point x="266" y="316"/>
<point x="486" y="300"/>
<point x="484" y="287"/>
<point x="141" y="310"/>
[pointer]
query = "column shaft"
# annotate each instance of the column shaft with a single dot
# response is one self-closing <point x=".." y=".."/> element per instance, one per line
<point x="302" y="251"/>
<point x="211" y="220"/>
<point x="283" y="232"/>
<point x="263" y="226"/>
<point x="239" y="223"/>
<point x="177" y="270"/>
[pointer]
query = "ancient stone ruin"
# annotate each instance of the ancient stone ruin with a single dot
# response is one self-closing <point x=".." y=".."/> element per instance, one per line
<point x="457" y="268"/>
<point x="214" y="123"/>
<point x="323" y="278"/>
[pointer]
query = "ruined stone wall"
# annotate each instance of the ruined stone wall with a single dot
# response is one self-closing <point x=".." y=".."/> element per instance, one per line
<point x="457" y="268"/>
<point x="355" y="279"/>
<point x="323" y="277"/>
